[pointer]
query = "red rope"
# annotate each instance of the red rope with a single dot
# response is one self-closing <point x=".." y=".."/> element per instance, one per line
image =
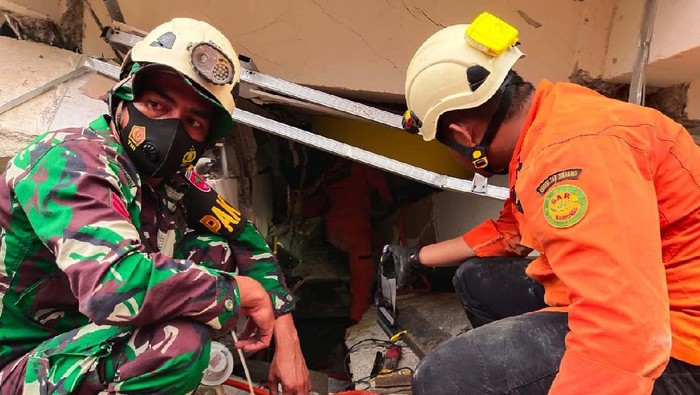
<point x="244" y="386"/>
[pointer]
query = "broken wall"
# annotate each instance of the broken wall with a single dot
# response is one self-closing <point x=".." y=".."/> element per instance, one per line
<point x="362" y="46"/>
<point x="674" y="54"/>
<point x="26" y="66"/>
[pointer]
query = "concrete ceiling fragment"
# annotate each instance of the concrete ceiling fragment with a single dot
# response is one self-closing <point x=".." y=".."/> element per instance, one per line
<point x="363" y="46"/>
<point x="360" y="49"/>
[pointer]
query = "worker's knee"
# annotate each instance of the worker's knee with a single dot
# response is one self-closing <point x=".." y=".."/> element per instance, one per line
<point x="449" y="369"/>
<point x="463" y="274"/>
<point x="175" y="352"/>
<point x="174" y="338"/>
<point x="478" y="275"/>
<point x="427" y="377"/>
<point x="182" y="344"/>
<point x="520" y="353"/>
<point x="469" y="277"/>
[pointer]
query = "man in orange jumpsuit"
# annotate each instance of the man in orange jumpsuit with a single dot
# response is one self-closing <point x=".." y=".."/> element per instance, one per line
<point x="607" y="192"/>
<point x="347" y="191"/>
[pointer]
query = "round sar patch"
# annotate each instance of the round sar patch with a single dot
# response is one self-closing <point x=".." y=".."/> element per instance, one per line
<point x="565" y="206"/>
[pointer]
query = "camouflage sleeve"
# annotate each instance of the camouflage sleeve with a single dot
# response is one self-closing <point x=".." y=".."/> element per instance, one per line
<point x="75" y="203"/>
<point x="207" y="211"/>
<point x="254" y="259"/>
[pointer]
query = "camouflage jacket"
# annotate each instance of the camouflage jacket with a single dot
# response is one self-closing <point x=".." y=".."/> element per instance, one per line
<point x="84" y="239"/>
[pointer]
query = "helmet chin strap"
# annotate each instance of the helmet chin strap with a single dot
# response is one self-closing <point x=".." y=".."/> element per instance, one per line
<point x="479" y="153"/>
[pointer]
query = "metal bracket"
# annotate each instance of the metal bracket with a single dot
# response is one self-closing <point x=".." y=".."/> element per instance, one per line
<point x="119" y="38"/>
<point x="479" y="183"/>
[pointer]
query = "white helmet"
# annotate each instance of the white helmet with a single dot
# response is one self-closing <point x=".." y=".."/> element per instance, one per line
<point x="199" y="52"/>
<point x="458" y="67"/>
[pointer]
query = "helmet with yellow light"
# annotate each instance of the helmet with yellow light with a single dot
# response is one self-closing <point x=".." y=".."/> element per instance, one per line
<point x="459" y="67"/>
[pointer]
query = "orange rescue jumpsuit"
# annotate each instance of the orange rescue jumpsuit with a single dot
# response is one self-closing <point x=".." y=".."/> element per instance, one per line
<point x="348" y="226"/>
<point x="609" y="194"/>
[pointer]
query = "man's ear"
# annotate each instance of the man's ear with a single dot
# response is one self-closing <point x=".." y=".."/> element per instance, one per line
<point x="463" y="134"/>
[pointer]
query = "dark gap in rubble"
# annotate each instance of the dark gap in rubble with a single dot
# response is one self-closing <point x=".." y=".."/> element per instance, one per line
<point x="6" y="31"/>
<point x="33" y="29"/>
<point x="311" y="257"/>
<point x="613" y="90"/>
<point x="671" y="100"/>
<point x="66" y="34"/>
<point x="71" y="25"/>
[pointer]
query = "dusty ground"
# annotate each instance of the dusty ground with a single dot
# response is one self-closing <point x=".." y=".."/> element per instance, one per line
<point x="439" y="313"/>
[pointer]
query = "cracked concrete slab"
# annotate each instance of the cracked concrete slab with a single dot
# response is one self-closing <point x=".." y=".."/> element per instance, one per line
<point x="27" y="66"/>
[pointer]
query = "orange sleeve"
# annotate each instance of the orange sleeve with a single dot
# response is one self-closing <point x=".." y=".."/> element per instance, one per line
<point x="600" y="234"/>
<point x="497" y="238"/>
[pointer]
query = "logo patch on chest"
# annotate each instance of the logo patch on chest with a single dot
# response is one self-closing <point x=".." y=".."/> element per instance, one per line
<point x="565" y="206"/>
<point x="568" y="174"/>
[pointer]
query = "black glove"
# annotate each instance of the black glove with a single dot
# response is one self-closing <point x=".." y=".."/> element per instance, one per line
<point x="403" y="263"/>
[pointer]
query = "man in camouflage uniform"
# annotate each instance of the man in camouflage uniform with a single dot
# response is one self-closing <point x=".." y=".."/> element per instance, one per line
<point x="115" y="263"/>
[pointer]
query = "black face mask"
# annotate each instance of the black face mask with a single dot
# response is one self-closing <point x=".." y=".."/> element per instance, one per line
<point x="158" y="147"/>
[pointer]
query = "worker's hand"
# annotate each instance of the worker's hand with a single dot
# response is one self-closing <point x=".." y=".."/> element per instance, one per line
<point x="406" y="261"/>
<point x="256" y="305"/>
<point x="288" y="366"/>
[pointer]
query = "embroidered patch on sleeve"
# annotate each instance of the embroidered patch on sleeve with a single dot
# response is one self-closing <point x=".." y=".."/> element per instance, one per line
<point x="565" y="206"/>
<point x="568" y="174"/>
<point x="197" y="180"/>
